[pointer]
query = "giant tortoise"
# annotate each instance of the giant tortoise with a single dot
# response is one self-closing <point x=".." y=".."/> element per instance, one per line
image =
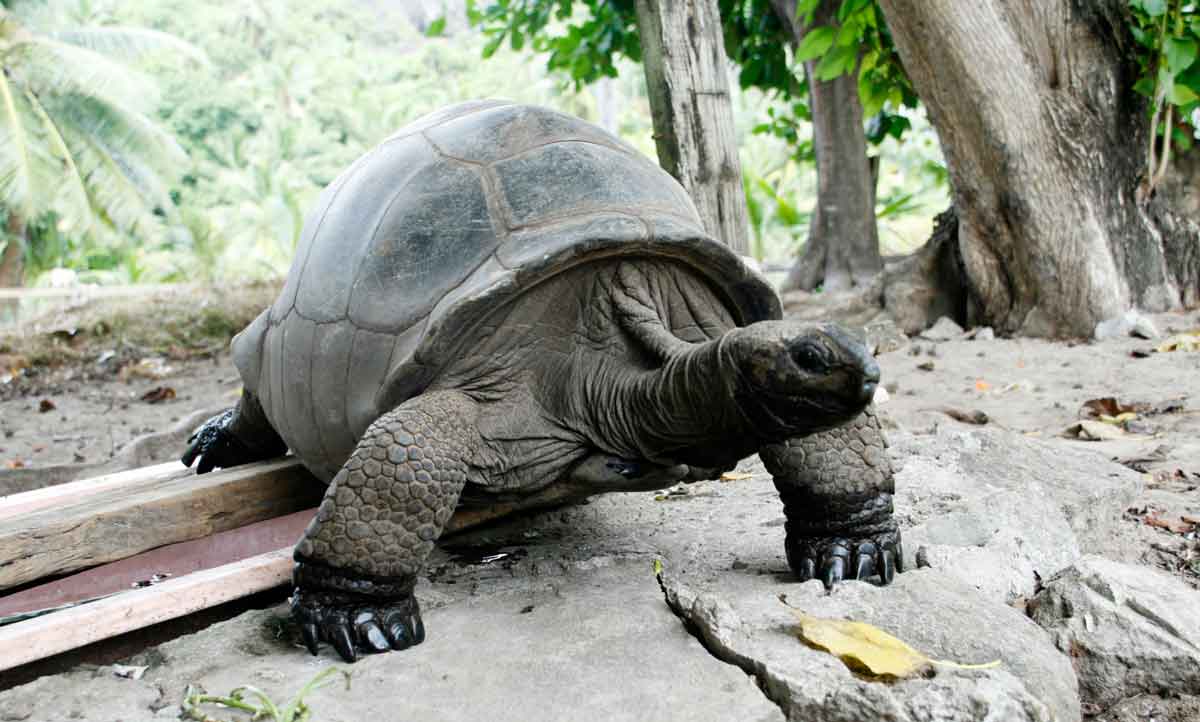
<point x="501" y="299"/>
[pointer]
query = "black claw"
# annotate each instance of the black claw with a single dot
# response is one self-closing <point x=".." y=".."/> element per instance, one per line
<point x="311" y="638"/>
<point x="418" y="627"/>
<point x="339" y="635"/>
<point x="887" y="567"/>
<point x="373" y="635"/>
<point x="835" y="571"/>
<point x="808" y="569"/>
<point x="399" y="637"/>
<point x="865" y="567"/>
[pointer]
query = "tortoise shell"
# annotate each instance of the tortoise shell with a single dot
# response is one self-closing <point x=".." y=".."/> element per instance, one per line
<point x="418" y="239"/>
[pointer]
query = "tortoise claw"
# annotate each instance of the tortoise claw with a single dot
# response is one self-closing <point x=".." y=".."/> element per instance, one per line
<point x="354" y="623"/>
<point x="311" y="637"/>
<point x="834" y="559"/>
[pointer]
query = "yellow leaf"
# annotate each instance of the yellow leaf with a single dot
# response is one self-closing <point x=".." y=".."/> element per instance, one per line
<point x="735" y="476"/>
<point x="1186" y="341"/>
<point x="869" y="650"/>
<point x="1118" y="419"/>
<point x="658" y="567"/>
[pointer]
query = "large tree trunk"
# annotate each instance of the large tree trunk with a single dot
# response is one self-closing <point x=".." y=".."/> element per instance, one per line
<point x="1045" y="141"/>
<point x="12" y="260"/>
<point x="1181" y="187"/>
<point x="843" y="240"/>
<point x="684" y="56"/>
<point x="12" y="264"/>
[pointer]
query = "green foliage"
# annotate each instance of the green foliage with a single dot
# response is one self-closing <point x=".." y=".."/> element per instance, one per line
<point x="254" y="701"/>
<point x="581" y="41"/>
<point x="1168" y="44"/>
<point x="858" y="42"/>
<point x="79" y="154"/>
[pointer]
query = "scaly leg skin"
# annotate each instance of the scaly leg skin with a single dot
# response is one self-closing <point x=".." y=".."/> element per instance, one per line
<point x="837" y="489"/>
<point x="358" y="561"/>
<point x="235" y="436"/>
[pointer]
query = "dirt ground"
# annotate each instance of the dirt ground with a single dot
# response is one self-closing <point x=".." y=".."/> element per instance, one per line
<point x="77" y="386"/>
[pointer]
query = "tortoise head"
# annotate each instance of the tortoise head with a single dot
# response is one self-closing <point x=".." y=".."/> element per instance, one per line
<point x="797" y="378"/>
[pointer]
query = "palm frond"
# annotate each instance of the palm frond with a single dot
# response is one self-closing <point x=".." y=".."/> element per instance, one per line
<point x="122" y="158"/>
<point x="16" y="179"/>
<point x="80" y="210"/>
<point x="128" y="44"/>
<point x="52" y="67"/>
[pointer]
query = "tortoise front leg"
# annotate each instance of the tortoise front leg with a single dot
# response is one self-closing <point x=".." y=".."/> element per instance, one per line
<point x="358" y="561"/>
<point x="837" y="489"/>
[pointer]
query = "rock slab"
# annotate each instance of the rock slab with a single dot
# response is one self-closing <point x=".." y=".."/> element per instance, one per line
<point x="1129" y="630"/>
<point x="742" y="621"/>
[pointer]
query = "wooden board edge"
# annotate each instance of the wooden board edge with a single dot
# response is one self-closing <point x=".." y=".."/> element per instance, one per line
<point x="62" y="631"/>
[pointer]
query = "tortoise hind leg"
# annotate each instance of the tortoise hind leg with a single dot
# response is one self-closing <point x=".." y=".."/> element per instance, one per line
<point x="837" y="489"/>
<point x="358" y="561"/>
<point x="238" y="435"/>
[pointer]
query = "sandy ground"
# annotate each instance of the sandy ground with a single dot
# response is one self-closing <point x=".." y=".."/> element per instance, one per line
<point x="73" y="418"/>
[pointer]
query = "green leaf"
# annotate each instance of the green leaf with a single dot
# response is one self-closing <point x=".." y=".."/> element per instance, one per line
<point x="838" y="61"/>
<point x="437" y="28"/>
<point x="1153" y="8"/>
<point x="816" y="42"/>
<point x="1180" y="52"/>
<point x="1182" y="95"/>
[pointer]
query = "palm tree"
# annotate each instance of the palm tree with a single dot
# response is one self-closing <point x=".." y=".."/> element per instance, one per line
<point x="75" y="138"/>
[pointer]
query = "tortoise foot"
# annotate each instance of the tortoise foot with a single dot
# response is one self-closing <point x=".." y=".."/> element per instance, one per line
<point x="353" y="623"/>
<point x="835" y="558"/>
<point x="216" y="446"/>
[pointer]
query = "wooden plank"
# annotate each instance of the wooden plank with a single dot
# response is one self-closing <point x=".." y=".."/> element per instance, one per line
<point x="171" y="561"/>
<point x="123" y="520"/>
<point x="42" y="637"/>
<point x="26" y="502"/>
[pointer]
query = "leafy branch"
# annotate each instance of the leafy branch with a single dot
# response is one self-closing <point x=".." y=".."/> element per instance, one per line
<point x="1168" y="38"/>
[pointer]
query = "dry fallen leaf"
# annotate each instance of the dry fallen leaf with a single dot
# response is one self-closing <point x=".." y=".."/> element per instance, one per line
<point x="869" y="650"/>
<point x="1093" y="431"/>
<point x="158" y="394"/>
<point x="1175" y="526"/>
<point x="735" y="476"/>
<point x="1118" y="419"/>
<point x="1186" y="341"/>
<point x="1105" y="406"/>
<point x="975" y="417"/>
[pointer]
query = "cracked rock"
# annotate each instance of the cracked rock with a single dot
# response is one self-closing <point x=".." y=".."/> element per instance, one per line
<point x="998" y="511"/>
<point x="1129" y="629"/>
<point x="739" y="619"/>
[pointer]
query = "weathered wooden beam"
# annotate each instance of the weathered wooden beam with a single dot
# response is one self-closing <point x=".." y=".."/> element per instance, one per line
<point x="683" y="52"/>
<point x="122" y="519"/>
<point x="26" y="502"/>
<point x="170" y="561"/>
<point x="42" y="637"/>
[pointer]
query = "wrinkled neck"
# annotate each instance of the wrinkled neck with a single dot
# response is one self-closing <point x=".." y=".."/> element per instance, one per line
<point x="686" y="411"/>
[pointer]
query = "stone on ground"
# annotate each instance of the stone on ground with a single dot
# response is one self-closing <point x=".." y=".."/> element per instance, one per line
<point x="943" y="329"/>
<point x="1130" y="630"/>
<point x="742" y="621"/>
<point x="1000" y="512"/>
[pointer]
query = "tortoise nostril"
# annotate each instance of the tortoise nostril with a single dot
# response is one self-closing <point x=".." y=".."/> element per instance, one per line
<point x="868" y="390"/>
<point x="870" y="371"/>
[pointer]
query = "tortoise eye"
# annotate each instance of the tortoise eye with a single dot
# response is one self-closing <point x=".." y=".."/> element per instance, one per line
<point x="807" y="358"/>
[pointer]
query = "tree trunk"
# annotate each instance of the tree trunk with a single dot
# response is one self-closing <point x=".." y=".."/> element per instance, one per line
<point x="1181" y="187"/>
<point x="684" y="56"/>
<point x="1046" y="144"/>
<point x="12" y="264"/>
<point x="12" y="259"/>
<point x="843" y="240"/>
